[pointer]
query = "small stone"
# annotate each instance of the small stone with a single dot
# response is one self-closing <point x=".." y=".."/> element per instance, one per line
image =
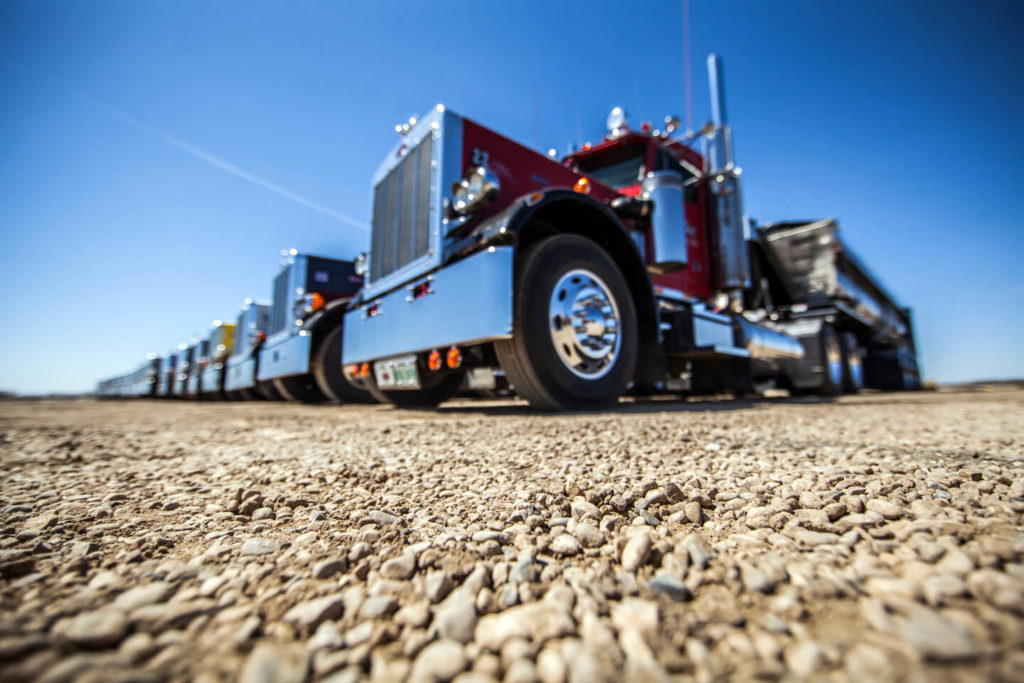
<point x="588" y="535"/>
<point x="359" y="551"/>
<point x="635" y="614"/>
<point x="325" y="569"/>
<point x="456" y="617"/>
<point x="438" y="585"/>
<point x="698" y="550"/>
<point x="804" y="657"/>
<point x="147" y="594"/>
<point x="276" y="663"/>
<point x="886" y="508"/>
<point x="378" y="606"/>
<point x="636" y="551"/>
<point x="835" y="510"/>
<point x="694" y="513"/>
<point x="306" y="616"/>
<point x="99" y="629"/>
<point x="260" y="546"/>
<point x="536" y="621"/>
<point x="565" y="544"/>
<point x="754" y="579"/>
<point x="263" y="513"/>
<point x="382" y="518"/>
<point x="937" y="638"/>
<point x="399" y="568"/>
<point x="440" y="661"/>
<point x="669" y="584"/>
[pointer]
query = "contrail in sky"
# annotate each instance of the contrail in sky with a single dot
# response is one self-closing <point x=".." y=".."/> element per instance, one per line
<point x="215" y="160"/>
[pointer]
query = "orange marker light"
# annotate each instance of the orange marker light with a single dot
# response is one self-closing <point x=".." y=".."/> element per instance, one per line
<point x="434" y="360"/>
<point x="364" y="370"/>
<point x="582" y="185"/>
<point x="454" y="357"/>
<point x="316" y="300"/>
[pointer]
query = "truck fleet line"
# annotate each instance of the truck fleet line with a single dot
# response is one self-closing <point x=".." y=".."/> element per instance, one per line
<point x="629" y="266"/>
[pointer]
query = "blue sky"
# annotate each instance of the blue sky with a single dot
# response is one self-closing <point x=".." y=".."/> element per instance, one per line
<point x="155" y="157"/>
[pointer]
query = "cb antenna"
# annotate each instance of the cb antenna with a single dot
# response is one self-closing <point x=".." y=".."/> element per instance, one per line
<point x="686" y="65"/>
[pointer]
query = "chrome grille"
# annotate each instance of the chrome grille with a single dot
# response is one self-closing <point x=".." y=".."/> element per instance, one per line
<point x="280" y="315"/>
<point x="401" y="212"/>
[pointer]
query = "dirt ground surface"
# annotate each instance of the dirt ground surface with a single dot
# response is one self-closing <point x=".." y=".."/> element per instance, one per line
<point x="877" y="537"/>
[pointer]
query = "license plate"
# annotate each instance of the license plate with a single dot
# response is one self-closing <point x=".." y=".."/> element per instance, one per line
<point x="397" y="373"/>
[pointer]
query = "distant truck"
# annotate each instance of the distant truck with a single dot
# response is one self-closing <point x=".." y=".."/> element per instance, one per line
<point x="167" y="373"/>
<point x="213" y="364"/>
<point x="187" y="356"/>
<point x="629" y="266"/>
<point x="242" y="366"/>
<point x="301" y="356"/>
<point x="141" y="382"/>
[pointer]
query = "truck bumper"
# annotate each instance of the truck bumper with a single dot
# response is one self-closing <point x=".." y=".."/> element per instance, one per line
<point x="241" y="374"/>
<point x="285" y="357"/>
<point x="211" y="380"/>
<point x="469" y="302"/>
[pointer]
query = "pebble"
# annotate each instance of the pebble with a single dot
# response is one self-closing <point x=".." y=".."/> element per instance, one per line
<point x="565" y="544"/>
<point x="439" y="661"/>
<point x="100" y="629"/>
<point x="399" y="568"/>
<point x="306" y="616"/>
<point x="636" y="551"/>
<point x="538" y="622"/>
<point x="275" y="663"/>
<point x="260" y="546"/>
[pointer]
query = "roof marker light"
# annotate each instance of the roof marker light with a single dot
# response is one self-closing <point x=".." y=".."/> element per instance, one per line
<point x="582" y="185"/>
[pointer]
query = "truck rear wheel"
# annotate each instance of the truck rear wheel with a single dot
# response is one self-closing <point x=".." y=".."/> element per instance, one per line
<point x="329" y="374"/>
<point x="853" y="363"/>
<point x="436" y="389"/>
<point x="301" y="388"/>
<point x="574" y="340"/>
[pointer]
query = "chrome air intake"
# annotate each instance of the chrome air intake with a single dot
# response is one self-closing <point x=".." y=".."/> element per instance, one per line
<point x="407" y="237"/>
<point x="401" y="212"/>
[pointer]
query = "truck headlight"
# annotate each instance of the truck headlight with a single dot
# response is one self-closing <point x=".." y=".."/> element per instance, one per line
<point x="475" y="191"/>
<point x="308" y="305"/>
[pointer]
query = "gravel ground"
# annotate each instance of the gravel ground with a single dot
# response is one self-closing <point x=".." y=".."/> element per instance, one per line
<point x="877" y="537"/>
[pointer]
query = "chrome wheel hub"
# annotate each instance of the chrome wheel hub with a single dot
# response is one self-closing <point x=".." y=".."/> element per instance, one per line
<point x="584" y="324"/>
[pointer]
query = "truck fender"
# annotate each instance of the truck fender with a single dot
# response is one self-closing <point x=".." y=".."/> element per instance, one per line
<point x="534" y="218"/>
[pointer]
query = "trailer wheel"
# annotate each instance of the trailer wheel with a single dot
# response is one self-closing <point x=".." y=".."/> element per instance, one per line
<point x="574" y="340"/>
<point x="831" y="360"/>
<point x="329" y="374"/>
<point x="301" y="388"/>
<point x="853" y="363"/>
<point x="436" y="390"/>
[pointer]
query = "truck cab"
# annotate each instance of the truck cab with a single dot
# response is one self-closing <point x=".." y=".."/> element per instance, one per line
<point x="200" y="361"/>
<point x="301" y="356"/>
<point x="221" y="342"/>
<point x="251" y="329"/>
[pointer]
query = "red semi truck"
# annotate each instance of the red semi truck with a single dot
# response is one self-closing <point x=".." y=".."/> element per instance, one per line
<point x="629" y="266"/>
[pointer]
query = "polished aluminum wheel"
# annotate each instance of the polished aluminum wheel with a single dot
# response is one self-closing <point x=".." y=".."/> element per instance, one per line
<point x="585" y="324"/>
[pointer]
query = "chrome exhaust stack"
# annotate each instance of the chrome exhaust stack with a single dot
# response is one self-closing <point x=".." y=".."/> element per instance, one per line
<point x="732" y="271"/>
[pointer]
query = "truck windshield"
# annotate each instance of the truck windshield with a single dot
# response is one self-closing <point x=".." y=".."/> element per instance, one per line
<point x="616" y="168"/>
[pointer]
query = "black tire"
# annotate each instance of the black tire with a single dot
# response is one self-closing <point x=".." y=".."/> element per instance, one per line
<point x="831" y="362"/>
<point x="436" y="389"/>
<point x="300" y="388"/>
<point x="530" y="359"/>
<point x="269" y="391"/>
<point x="250" y="395"/>
<point x="329" y="374"/>
<point x="853" y="363"/>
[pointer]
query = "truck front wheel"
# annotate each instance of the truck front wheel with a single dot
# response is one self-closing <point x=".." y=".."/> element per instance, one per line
<point x="330" y="376"/>
<point x="574" y="340"/>
<point x="301" y="388"/>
